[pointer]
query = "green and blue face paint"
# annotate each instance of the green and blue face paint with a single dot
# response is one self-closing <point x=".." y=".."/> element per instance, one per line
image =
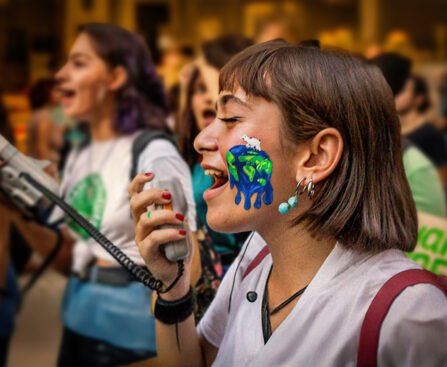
<point x="250" y="171"/>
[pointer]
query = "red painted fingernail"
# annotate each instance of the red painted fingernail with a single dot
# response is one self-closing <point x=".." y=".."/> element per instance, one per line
<point x="148" y="174"/>
<point x="166" y="195"/>
<point x="182" y="232"/>
<point x="180" y="217"/>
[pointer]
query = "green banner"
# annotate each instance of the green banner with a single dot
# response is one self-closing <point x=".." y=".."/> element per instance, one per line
<point x="431" y="248"/>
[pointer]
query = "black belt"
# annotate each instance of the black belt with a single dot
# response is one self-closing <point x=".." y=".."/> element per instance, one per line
<point x="116" y="276"/>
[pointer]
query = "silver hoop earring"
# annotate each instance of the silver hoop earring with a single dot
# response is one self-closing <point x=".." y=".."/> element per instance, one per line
<point x="310" y="189"/>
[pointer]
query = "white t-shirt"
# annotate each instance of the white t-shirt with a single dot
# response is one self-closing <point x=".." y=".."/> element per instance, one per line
<point x="95" y="182"/>
<point x="324" y="326"/>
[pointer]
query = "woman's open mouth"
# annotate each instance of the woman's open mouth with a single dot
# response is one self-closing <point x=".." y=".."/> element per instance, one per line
<point x="220" y="179"/>
<point x="67" y="95"/>
<point x="208" y="116"/>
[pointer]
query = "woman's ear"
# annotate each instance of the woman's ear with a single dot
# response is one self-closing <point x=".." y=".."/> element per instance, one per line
<point x="320" y="155"/>
<point x="118" y="78"/>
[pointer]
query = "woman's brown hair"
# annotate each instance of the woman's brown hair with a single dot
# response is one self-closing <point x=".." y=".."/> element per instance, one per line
<point x="366" y="203"/>
<point x="186" y="127"/>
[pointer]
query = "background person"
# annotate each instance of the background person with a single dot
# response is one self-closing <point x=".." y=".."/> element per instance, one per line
<point x="418" y="128"/>
<point x="9" y="289"/>
<point x="46" y="127"/>
<point x="422" y="176"/>
<point x="109" y="83"/>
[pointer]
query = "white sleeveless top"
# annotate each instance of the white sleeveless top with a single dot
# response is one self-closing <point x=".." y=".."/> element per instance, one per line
<point x="95" y="182"/>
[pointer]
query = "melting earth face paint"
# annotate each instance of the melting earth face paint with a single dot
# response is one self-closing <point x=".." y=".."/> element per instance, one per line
<point x="250" y="171"/>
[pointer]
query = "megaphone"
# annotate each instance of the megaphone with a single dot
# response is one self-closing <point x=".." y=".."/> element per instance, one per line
<point x="13" y="184"/>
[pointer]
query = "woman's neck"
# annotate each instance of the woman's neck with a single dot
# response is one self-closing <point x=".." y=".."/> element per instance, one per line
<point x="411" y="121"/>
<point x="296" y="256"/>
<point x="102" y="122"/>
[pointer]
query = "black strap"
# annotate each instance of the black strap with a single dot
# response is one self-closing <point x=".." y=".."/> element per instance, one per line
<point x="142" y="141"/>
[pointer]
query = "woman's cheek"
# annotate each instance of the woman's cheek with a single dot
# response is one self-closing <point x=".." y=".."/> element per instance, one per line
<point x="228" y="140"/>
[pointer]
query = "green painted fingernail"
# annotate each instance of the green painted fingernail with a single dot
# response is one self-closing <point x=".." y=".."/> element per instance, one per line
<point x="148" y="214"/>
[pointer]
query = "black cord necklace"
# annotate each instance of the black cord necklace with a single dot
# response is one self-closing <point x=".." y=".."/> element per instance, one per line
<point x="266" y="313"/>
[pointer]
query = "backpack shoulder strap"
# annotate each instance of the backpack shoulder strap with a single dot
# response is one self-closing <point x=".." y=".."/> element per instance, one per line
<point x="141" y="142"/>
<point x="379" y="307"/>
<point x="256" y="261"/>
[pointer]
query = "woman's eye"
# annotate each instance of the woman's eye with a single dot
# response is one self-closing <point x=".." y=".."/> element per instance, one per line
<point x="229" y="120"/>
<point x="78" y="64"/>
<point x="199" y="89"/>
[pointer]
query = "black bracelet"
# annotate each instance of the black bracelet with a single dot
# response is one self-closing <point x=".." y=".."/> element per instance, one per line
<point x="173" y="312"/>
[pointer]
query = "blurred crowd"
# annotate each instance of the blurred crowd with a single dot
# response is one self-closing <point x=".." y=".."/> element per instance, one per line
<point x="176" y="97"/>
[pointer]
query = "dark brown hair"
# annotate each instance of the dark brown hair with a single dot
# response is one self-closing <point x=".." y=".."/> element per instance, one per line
<point x="141" y="101"/>
<point x="366" y="202"/>
<point x="186" y="128"/>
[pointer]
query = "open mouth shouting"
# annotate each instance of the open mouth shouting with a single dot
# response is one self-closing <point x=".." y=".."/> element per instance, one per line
<point x="208" y="116"/>
<point x="67" y="95"/>
<point x="220" y="180"/>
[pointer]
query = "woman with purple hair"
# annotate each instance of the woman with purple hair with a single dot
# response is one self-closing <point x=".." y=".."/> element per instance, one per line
<point x="109" y="84"/>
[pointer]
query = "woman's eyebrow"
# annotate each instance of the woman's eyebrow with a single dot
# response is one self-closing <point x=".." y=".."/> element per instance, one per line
<point x="223" y="100"/>
<point x="80" y="55"/>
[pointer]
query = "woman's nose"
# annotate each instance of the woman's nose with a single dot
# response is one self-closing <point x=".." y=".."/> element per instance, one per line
<point x="206" y="141"/>
<point x="208" y="99"/>
<point x="61" y="74"/>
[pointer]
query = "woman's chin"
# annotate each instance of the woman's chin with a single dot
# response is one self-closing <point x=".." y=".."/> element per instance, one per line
<point x="75" y="113"/>
<point x="231" y="222"/>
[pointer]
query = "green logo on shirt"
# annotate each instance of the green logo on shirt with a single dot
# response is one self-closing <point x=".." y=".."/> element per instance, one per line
<point x="88" y="197"/>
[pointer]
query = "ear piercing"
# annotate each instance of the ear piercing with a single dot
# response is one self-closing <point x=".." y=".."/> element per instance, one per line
<point x="300" y="189"/>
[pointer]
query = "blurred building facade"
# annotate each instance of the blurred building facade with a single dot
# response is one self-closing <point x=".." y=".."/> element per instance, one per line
<point x="36" y="35"/>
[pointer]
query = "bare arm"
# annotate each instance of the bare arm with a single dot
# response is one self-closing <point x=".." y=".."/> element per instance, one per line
<point x="43" y="135"/>
<point x="191" y="350"/>
<point x="43" y="240"/>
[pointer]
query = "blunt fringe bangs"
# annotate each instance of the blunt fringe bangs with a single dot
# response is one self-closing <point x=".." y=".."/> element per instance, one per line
<point x="366" y="203"/>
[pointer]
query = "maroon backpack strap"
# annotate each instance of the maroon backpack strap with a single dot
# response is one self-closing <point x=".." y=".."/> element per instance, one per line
<point x="256" y="261"/>
<point x="379" y="307"/>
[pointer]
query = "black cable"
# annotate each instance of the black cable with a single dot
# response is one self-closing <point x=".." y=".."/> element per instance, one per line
<point x="140" y="273"/>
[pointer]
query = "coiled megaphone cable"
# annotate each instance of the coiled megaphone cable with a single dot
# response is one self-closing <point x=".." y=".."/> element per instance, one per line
<point x="140" y="273"/>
